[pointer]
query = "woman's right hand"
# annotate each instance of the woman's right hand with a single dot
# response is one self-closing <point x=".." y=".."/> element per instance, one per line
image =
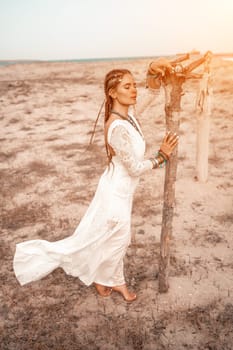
<point x="169" y="143"/>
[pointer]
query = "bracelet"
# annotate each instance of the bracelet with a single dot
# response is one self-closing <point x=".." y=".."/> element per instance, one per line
<point x="154" y="162"/>
<point x="163" y="155"/>
<point x="161" y="159"/>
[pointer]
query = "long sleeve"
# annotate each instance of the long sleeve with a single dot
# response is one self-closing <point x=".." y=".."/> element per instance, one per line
<point x="121" y="142"/>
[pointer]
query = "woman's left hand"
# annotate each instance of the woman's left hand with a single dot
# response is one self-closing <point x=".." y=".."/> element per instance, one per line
<point x="170" y="141"/>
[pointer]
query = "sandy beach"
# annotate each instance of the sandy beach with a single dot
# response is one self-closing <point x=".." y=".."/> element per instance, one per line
<point x="48" y="176"/>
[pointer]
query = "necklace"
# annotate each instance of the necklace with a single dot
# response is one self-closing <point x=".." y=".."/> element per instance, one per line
<point x="129" y="119"/>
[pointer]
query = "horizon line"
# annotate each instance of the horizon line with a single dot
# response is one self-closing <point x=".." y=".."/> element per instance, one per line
<point x="109" y="58"/>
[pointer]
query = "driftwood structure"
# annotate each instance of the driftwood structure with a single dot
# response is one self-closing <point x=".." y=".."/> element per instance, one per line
<point x="171" y="75"/>
<point x="203" y="110"/>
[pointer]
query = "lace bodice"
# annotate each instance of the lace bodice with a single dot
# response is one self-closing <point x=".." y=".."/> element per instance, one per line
<point x="129" y="147"/>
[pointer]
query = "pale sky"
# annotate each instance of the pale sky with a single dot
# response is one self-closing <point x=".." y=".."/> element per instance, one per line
<point x="76" y="29"/>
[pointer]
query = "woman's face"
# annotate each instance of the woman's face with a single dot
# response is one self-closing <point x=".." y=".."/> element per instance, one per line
<point x="126" y="91"/>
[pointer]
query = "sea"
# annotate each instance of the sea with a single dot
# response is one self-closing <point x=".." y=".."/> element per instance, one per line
<point x="82" y="60"/>
<point x="108" y="59"/>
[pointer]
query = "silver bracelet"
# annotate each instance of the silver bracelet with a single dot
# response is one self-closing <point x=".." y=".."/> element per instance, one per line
<point x="155" y="163"/>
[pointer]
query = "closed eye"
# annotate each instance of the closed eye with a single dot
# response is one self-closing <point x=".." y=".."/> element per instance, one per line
<point x="127" y="86"/>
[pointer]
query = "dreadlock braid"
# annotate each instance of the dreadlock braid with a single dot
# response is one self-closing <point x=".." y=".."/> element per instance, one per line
<point x="112" y="79"/>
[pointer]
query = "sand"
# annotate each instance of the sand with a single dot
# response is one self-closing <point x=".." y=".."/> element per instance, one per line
<point x="48" y="177"/>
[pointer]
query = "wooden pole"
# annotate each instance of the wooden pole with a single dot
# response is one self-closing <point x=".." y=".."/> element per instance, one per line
<point x="173" y="93"/>
<point x="172" y="78"/>
<point x="203" y="109"/>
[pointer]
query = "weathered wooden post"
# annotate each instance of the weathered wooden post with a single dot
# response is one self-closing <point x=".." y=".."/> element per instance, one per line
<point x="203" y="110"/>
<point x="173" y="92"/>
<point x="172" y="79"/>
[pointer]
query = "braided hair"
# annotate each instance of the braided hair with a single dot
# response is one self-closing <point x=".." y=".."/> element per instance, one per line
<point x="112" y="79"/>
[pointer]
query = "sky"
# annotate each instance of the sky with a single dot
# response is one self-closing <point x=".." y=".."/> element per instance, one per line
<point x="79" y="29"/>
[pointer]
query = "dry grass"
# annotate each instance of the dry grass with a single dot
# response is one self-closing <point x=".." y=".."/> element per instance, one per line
<point x="47" y="179"/>
<point x="226" y="218"/>
<point x="40" y="168"/>
<point x="72" y="146"/>
<point x="24" y="215"/>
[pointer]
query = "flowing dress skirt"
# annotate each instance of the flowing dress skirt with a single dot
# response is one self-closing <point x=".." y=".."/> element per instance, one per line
<point x="95" y="251"/>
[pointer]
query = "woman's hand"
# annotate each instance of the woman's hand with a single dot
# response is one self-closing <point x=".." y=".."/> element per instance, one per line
<point x="170" y="141"/>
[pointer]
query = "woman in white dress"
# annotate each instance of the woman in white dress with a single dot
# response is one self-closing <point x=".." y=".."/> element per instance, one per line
<point x="96" y="250"/>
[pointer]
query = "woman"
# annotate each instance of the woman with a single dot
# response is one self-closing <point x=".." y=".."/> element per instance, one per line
<point x="96" y="250"/>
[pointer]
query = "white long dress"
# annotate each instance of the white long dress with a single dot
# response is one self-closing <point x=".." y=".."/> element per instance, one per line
<point x="95" y="251"/>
